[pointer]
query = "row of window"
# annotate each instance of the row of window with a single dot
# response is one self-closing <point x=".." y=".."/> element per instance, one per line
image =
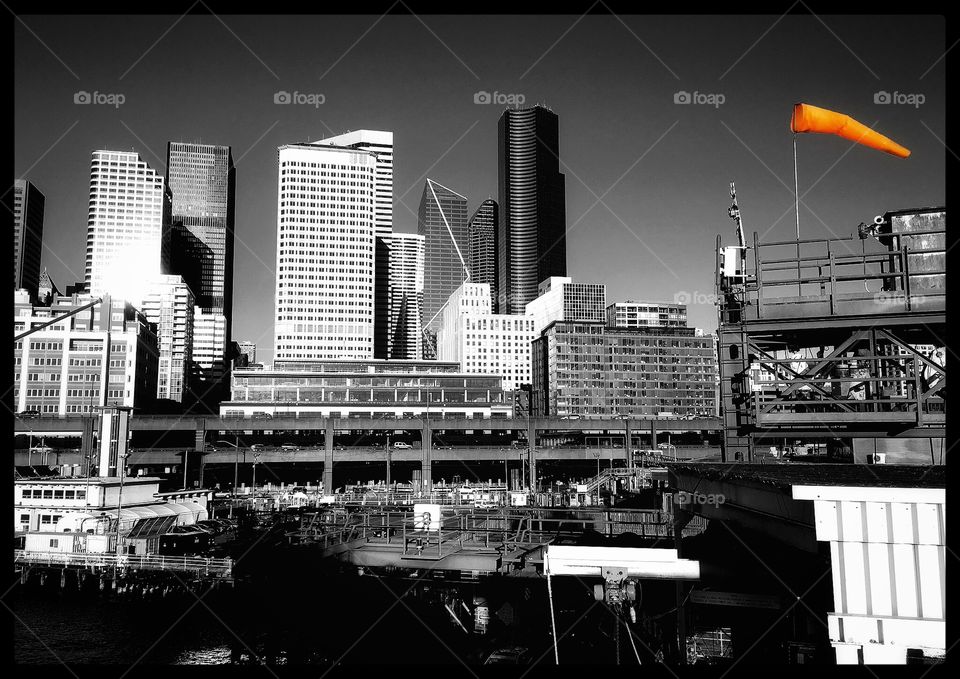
<point x="53" y="494"/>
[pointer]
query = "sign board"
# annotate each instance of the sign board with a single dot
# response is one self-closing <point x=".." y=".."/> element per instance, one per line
<point x="426" y="517"/>
<point x="741" y="599"/>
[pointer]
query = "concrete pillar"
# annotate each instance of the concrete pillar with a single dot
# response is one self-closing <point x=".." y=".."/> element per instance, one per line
<point x="653" y="434"/>
<point x="628" y="447"/>
<point x="199" y="435"/>
<point x="328" y="458"/>
<point x="532" y="443"/>
<point x="426" y="464"/>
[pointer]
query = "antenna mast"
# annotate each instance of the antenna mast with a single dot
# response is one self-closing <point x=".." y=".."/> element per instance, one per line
<point x="734" y="213"/>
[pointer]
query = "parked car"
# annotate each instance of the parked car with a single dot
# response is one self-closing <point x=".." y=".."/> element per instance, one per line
<point x="400" y="445"/>
<point x="289" y="446"/>
<point x="515" y="655"/>
<point x="29" y="413"/>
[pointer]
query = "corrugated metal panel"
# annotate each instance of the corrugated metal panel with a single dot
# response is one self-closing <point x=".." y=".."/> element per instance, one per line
<point x="906" y="578"/>
<point x="854" y="577"/>
<point x="878" y="528"/>
<point x="851" y="517"/>
<point x="825" y="520"/>
<point x="928" y="524"/>
<point x="881" y="575"/>
<point x="931" y="594"/>
<point x="901" y="515"/>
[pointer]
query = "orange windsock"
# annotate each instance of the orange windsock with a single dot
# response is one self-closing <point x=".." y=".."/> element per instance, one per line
<point x="807" y="118"/>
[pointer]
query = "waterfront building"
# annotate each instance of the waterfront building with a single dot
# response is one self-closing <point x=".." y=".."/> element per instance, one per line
<point x="482" y="247"/>
<point x="365" y="389"/>
<point x="589" y="370"/>
<point x="442" y="221"/>
<point x="169" y="304"/>
<point x="325" y="253"/>
<point x="58" y="504"/>
<point x="632" y="314"/>
<point x="107" y="355"/>
<point x="202" y="179"/>
<point x="483" y="342"/>
<point x="28" y="205"/>
<point x="560" y="299"/>
<point x="127" y="225"/>
<point x="531" y="236"/>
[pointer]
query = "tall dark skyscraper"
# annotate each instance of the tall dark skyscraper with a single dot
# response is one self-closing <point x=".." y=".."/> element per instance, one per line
<point x="531" y="240"/>
<point x="202" y="179"/>
<point x="482" y="235"/>
<point x="28" y="205"/>
<point x="442" y="221"/>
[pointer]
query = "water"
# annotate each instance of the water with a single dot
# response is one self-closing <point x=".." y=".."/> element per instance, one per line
<point x="310" y="616"/>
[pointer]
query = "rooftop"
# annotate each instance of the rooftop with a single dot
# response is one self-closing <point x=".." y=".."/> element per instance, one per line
<point x="785" y="476"/>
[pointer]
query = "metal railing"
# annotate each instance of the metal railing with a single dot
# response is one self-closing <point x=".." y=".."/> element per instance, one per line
<point x="151" y="562"/>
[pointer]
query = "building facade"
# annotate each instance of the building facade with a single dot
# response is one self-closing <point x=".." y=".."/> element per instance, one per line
<point x="249" y="348"/>
<point x="482" y="247"/>
<point x="483" y="342"/>
<point x="379" y="143"/>
<point x="560" y="299"/>
<point x="106" y="355"/>
<point x="531" y="240"/>
<point x="365" y="389"/>
<point x="587" y="370"/>
<point x="325" y="253"/>
<point x="169" y="304"/>
<point x="202" y="179"/>
<point x="632" y="314"/>
<point x="442" y="221"/>
<point x="127" y="225"/>
<point x="28" y="205"/>
<point x="405" y="296"/>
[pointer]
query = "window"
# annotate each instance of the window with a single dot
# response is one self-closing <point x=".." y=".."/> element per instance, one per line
<point x="48" y="495"/>
<point x="54" y="542"/>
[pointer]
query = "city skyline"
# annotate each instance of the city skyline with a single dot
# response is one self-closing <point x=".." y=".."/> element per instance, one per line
<point x="667" y="165"/>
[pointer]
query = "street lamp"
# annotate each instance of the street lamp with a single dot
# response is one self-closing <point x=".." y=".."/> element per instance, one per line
<point x="236" y="465"/>
<point x="596" y="454"/>
<point x="256" y="461"/>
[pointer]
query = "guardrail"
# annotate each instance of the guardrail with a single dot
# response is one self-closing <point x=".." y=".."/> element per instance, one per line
<point x="151" y="562"/>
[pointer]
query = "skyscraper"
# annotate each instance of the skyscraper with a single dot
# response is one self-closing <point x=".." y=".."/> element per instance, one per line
<point x="325" y="253"/>
<point x="28" y="205"/>
<point x="442" y="221"/>
<point x="202" y="179"/>
<point x="127" y="225"/>
<point x="379" y="143"/>
<point x="406" y="296"/>
<point x="482" y="234"/>
<point x="169" y="304"/>
<point x="531" y="241"/>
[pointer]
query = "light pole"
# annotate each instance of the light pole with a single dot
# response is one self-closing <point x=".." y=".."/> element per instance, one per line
<point x="236" y="465"/>
<point x="122" y="464"/>
<point x="256" y="461"/>
<point x="596" y="454"/>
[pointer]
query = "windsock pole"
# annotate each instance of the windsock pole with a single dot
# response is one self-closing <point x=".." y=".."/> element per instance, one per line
<point x="796" y="189"/>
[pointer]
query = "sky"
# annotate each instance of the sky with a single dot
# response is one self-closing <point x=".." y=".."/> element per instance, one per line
<point x="646" y="174"/>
